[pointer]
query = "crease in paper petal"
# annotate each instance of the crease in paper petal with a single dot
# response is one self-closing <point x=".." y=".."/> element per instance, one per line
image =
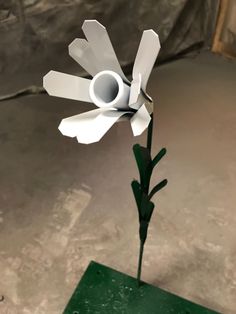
<point x="135" y="91"/>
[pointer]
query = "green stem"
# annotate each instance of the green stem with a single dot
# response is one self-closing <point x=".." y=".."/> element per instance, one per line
<point x="149" y="134"/>
<point x="140" y="262"/>
<point x="149" y="147"/>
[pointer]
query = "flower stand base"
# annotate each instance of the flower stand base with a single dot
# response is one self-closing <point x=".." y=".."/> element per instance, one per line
<point x="103" y="290"/>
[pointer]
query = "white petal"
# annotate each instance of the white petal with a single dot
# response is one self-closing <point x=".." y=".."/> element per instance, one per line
<point x="135" y="90"/>
<point x="89" y="127"/>
<point x="82" y="53"/>
<point x="140" y="120"/>
<point x="100" y="43"/>
<point x="72" y="126"/>
<point x="97" y="128"/>
<point x="146" y="56"/>
<point x="67" y="86"/>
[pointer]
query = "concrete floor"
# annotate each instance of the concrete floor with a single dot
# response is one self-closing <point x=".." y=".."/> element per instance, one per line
<point x="63" y="204"/>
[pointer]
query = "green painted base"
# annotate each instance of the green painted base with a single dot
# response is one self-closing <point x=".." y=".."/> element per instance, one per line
<point x="103" y="290"/>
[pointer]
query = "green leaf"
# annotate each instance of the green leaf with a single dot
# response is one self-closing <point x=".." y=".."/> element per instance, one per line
<point x="137" y="192"/>
<point x="144" y="163"/>
<point x="158" y="157"/>
<point x="157" y="188"/>
<point x="146" y="208"/>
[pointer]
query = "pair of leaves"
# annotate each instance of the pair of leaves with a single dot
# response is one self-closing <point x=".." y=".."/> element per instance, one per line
<point x="145" y="206"/>
<point x="145" y="209"/>
<point x="146" y="164"/>
<point x="143" y="199"/>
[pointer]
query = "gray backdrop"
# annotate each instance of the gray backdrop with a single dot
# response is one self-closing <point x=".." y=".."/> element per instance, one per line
<point x="36" y="33"/>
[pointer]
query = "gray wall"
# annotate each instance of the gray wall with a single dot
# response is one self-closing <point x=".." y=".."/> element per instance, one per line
<point x="35" y="33"/>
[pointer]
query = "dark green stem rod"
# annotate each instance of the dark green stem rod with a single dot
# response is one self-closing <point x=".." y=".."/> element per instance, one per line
<point x="149" y="147"/>
<point x="140" y="262"/>
<point x="149" y="134"/>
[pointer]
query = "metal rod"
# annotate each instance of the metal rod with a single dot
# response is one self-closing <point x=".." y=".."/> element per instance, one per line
<point x="149" y="134"/>
<point x="149" y="147"/>
<point x="140" y="262"/>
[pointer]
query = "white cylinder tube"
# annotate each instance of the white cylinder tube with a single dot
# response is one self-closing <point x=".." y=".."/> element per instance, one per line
<point x="107" y="89"/>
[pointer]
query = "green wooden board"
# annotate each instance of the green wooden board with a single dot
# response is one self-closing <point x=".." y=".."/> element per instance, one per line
<point x="103" y="290"/>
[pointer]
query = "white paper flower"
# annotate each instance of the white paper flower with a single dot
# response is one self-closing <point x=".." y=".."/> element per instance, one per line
<point x="109" y="89"/>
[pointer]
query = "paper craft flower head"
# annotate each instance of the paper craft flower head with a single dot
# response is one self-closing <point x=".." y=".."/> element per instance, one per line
<point x="109" y="90"/>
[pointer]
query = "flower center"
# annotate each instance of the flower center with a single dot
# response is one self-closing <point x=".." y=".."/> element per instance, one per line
<point x="107" y="89"/>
